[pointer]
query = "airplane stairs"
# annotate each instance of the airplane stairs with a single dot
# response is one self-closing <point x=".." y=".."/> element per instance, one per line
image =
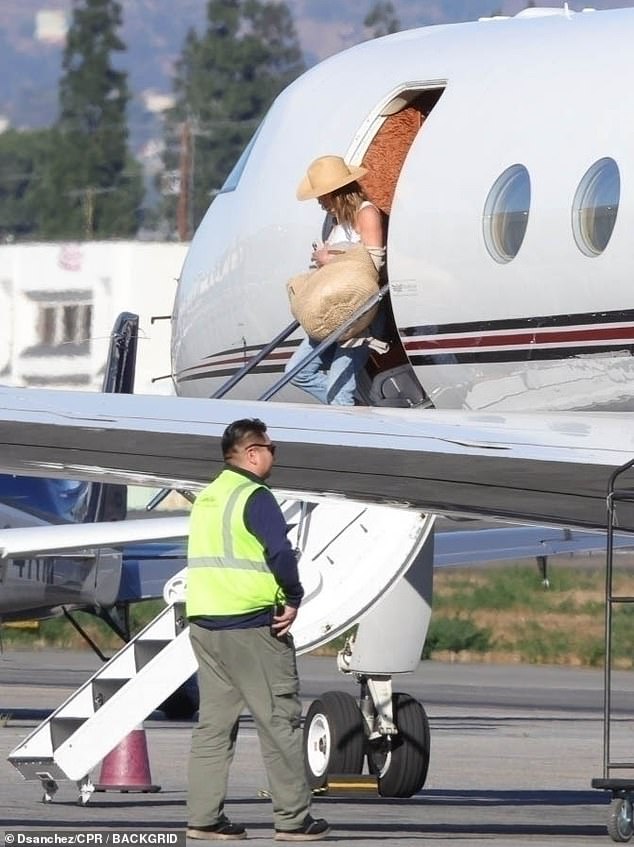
<point x="115" y="700"/>
<point x="352" y="554"/>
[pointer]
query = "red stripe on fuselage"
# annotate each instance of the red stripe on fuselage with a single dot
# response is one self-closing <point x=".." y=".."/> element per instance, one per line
<point x="574" y="335"/>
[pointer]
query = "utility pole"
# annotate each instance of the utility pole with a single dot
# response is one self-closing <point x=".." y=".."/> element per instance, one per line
<point x="88" y="202"/>
<point x="185" y="169"/>
<point x="87" y="196"/>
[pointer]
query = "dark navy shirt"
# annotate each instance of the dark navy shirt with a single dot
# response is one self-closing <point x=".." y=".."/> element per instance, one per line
<point x="263" y="517"/>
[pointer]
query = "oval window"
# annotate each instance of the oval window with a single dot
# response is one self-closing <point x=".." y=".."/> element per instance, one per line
<point x="506" y="213"/>
<point x="595" y="206"/>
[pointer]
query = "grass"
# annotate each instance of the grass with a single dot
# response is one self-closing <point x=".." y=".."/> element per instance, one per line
<point x="501" y="614"/>
<point x="58" y="633"/>
<point x="505" y="614"/>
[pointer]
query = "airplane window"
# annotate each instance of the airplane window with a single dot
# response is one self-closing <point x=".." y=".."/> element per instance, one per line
<point x="231" y="182"/>
<point x="595" y="206"/>
<point x="506" y="213"/>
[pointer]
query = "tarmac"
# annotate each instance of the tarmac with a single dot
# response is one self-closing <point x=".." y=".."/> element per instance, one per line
<point x="514" y="749"/>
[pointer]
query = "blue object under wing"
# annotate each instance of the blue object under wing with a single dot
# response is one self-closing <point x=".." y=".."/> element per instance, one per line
<point x="147" y="567"/>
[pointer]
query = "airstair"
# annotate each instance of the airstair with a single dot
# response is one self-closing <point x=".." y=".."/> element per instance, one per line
<point x="116" y="699"/>
<point x="351" y="555"/>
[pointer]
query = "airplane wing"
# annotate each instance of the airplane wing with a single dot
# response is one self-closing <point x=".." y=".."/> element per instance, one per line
<point x="462" y="548"/>
<point x="454" y="548"/>
<point x="38" y="541"/>
<point x="551" y="468"/>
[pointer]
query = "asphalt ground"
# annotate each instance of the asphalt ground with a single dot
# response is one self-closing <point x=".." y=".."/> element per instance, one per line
<point x="514" y="749"/>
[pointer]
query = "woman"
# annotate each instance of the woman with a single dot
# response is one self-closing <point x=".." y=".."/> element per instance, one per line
<point x="331" y="376"/>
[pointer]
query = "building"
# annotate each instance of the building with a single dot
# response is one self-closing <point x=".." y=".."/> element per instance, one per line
<point x="58" y="302"/>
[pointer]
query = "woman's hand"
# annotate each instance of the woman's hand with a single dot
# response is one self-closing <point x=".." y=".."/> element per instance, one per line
<point x="326" y="253"/>
<point x="321" y="256"/>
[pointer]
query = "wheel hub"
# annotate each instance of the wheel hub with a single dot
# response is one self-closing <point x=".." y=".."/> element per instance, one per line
<point x="318" y="745"/>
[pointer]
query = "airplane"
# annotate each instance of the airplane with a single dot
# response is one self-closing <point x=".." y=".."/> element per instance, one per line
<point x="505" y="152"/>
<point x="508" y="216"/>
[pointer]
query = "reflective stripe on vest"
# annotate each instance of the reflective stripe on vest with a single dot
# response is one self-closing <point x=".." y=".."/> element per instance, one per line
<point x="227" y="569"/>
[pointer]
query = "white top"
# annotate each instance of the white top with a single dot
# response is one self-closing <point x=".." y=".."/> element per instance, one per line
<point x="345" y="232"/>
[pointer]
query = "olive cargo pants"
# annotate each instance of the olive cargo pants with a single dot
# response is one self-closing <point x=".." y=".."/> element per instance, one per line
<point x="252" y="668"/>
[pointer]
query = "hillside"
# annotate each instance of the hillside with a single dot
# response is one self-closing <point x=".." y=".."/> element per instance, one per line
<point x="31" y="41"/>
<point x="32" y="37"/>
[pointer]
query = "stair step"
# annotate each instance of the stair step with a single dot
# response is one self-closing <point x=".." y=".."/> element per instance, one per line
<point x="103" y="689"/>
<point x="146" y="650"/>
<point x="167" y="625"/>
<point x="63" y="728"/>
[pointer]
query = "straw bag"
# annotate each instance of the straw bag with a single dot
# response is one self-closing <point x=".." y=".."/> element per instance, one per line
<point x="325" y="298"/>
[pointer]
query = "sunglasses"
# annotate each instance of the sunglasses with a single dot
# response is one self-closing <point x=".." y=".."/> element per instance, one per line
<point x="270" y="447"/>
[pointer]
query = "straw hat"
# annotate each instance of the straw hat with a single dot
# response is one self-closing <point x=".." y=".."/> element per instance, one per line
<point x="326" y="174"/>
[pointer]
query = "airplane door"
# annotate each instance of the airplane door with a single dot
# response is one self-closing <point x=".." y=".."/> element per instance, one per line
<point x="393" y="381"/>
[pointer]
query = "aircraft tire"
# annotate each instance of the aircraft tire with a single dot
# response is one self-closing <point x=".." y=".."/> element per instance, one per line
<point x="401" y="762"/>
<point x="334" y="738"/>
<point x="620" y="823"/>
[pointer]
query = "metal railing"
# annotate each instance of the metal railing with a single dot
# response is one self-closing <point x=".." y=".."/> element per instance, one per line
<point x="252" y="363"/>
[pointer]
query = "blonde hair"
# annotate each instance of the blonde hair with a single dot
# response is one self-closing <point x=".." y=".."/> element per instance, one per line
<point x="346" y="202"/>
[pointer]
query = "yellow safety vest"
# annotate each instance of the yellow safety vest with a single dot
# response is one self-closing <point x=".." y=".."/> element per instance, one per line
<point x="227" y="572"/>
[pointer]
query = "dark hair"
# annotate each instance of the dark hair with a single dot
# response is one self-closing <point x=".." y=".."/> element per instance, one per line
<point x="238" y="431"/>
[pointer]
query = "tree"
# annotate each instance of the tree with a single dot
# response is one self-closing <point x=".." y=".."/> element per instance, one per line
<point x="93" y="187"/>
<point x="23" y="158"/>
<point x="225" y="81"/>
<point x="381" y="19"/>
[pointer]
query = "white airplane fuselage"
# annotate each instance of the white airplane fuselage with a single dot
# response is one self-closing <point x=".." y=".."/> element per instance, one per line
<point x="550" y="327"/>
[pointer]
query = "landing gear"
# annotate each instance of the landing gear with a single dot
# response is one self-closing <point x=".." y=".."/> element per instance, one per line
<point x="401" y="761"/>
<point x="393" y="728"/>
<point x="334" y="738"/>
<point x="337" y="736"/>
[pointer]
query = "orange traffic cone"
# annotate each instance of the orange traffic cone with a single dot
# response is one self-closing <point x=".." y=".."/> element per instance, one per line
<point x="127" y="766"/>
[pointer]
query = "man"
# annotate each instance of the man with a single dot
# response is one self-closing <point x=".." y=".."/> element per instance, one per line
<point x="243" y="592"/>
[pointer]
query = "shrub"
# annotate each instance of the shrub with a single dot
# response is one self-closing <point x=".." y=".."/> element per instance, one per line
<point x="456" y="634"/>
<point x="536" y="643"/>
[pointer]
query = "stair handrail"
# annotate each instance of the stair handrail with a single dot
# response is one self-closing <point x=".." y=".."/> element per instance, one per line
<point x="251" y="363"/>
<point x="334" y="336"/>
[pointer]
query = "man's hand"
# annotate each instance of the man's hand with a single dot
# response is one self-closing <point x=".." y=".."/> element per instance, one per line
<point x="282" y="622"/>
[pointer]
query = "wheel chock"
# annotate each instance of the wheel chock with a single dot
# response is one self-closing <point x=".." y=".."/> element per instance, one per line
<point x="349" y="784"/>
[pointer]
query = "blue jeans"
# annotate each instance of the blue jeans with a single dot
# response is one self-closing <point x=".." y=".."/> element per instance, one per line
<point x="331" y="376"/>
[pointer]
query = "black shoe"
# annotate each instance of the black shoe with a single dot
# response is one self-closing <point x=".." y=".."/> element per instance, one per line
<point x="311" y="830"/>
<point x="224" y="830"/>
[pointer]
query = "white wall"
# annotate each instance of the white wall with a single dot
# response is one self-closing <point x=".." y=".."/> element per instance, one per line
<point x="41" y="279"/>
